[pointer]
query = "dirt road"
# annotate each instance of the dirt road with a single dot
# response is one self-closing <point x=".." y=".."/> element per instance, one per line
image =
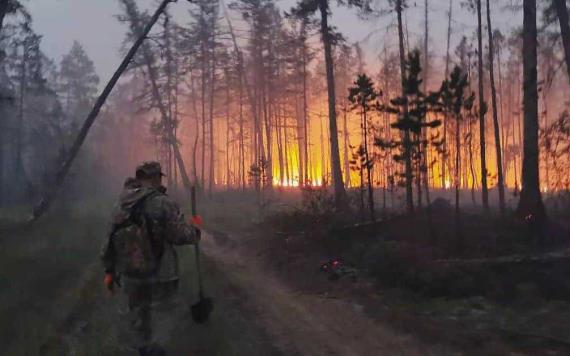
<point x="303" y="324"/>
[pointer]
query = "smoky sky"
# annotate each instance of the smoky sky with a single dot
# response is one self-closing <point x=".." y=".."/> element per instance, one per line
<point x="94" y="25"/>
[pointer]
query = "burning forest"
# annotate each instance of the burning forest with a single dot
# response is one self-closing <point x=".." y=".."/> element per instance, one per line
<point x="394" y="165"/>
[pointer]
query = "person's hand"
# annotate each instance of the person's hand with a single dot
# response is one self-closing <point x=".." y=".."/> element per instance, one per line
<point x="197" y="221"/>
<point x="109" y="282"/>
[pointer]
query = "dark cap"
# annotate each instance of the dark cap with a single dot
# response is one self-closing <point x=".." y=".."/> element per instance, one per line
<point x="149" y="170"/>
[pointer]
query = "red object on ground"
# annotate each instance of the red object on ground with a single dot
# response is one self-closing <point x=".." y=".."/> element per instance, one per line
<point x="108" y="281"/>
<point x="197" y="221"/>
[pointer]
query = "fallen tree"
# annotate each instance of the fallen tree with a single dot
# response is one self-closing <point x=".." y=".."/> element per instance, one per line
<point x="43" y="205"/>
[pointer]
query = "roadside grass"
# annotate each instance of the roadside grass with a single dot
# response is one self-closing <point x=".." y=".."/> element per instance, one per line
<point x="41" y="267"/>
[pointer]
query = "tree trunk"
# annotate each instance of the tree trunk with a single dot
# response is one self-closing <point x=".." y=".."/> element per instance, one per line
<point x="516" y="107"/>
<point x="482" y="110"/>
<point x="471" y="165"/>
<point x="407" y="140"/>
<point x="425" y="89"/>
<point x="457" y="182"/>
<point x="426" y="166"/>
<point x="445" y="119"/>
<point x="197" y="133"/>
<point x="426" y="40"/>
<point x="203" y="102"/>
<point x="501" y="181"/>
<point x="322" y="140"/>
<point x="20" y="128"/>
<point x="300" y="138"/>
<point x="168" y="88"/>
<point x="285" y="137"/>
<point x="228" y="170"/>
<point x="212" y="163"/>
<point x="176" y="111"/>
<point x="520" y="118"/>
<point x="346" y="148"/>
<point x="368" y="169"/>
<point x="267" y="116"/>
<point x="562" y="13"/>
<point x="305" y="116"/>
<point x="545" y="95"/>
<point x="530" y="205"/>
<point x="241" y="135"/>
<point x="418" y="169"/>
<point x="340" y="192"/>
<point x="279" y="126"/>
<point x="502" y="117"/>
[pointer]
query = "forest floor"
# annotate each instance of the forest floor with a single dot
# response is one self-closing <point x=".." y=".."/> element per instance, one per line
<point x="504" y="310"/>
<point x="269" y="300"/>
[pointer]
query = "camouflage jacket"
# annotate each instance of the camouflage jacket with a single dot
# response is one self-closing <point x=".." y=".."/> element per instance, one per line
<point x="167" y="223"/>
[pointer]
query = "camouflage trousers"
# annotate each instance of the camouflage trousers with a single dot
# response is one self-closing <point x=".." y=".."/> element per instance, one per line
<point x="153" y="309"/>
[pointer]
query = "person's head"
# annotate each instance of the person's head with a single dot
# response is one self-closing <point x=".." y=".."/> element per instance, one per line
<point x="149" y="174"/>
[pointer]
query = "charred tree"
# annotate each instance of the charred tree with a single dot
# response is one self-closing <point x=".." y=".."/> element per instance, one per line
<point x="500" y="179"/>
<point x="482" y="111"/>
<point x="340" y="193"/>
<point x="530" y="206"/>
<point x="407" y="144"/>
<point x="444" y="150"/>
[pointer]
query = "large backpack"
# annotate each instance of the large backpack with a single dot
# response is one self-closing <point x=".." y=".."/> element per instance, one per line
<point x="137" y="251"/>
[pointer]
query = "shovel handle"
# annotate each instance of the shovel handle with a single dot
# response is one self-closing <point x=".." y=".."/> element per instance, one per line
<point x="200" y="283"/>
<point x="197" y="245"/>
<point x="193" y="200"/>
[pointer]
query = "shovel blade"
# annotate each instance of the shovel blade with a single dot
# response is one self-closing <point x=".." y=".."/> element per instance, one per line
<point x="201" y="311"/>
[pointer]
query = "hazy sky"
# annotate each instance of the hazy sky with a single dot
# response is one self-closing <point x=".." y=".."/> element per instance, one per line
<point x="93" y="23"/>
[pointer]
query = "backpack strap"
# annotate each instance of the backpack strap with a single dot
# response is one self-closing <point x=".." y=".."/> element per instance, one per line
<point x="138" y="209"/>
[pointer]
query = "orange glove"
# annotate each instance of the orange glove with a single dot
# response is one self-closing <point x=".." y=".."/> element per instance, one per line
<point x="109" y="282"/>
<point x="197" y="221"/>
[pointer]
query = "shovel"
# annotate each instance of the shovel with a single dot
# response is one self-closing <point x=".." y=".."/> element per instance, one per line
<point x="202" y="309"/>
